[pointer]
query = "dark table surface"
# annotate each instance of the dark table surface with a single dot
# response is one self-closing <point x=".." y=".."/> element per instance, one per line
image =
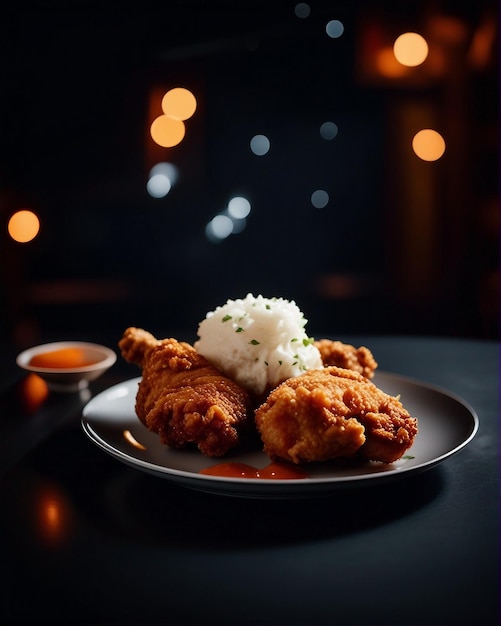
<point x="86" y="539"/>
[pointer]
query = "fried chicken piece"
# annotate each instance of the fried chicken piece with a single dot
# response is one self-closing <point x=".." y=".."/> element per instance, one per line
<point x="344" y="355"/>
<point x="331" y="413"/>
<point x="182" y="397"/>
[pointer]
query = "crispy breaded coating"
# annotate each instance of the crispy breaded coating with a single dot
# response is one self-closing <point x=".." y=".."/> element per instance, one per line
<point x="184" y="398"/>
<point x="345" y="355"/>
<point x="331" y="413"/>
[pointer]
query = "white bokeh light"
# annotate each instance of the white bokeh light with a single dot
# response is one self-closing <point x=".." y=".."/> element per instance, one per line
<point x="230" y="221"/>
<point x="260" y="145"/>
<point x="162" y="177"/>
<point x="334" y="29"/>
<point x="302" y="10"/>
<point x="167" y="169"/>
<point x="219" y="227"/>
<point x="328" y="131"/>
<point x="158" y="186"/>
<point x="319" y="199"/>
<point x="238" y="225"/>
<point x="239" y="207"/>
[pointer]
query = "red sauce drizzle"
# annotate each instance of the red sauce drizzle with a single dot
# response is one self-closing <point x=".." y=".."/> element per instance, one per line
<point x="277" y="471"/>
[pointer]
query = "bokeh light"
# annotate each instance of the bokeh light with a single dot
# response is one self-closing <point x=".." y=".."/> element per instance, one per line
<point x="239" y="225"/>
<point x="162" y="178"/>
<point x="179" y="103"/>
<point x="302" y="10"/>
<point x="239" y="207"/>
<point x="158" y="186"/>
<point x="220" y="227"/>
<point x="260" y="145"/>
<point x="319" y="199"/>
<point x="334" y="29"/>
<point x="169" y="170"/>
<point x="410" y="49"/>
<point x="428" y="145"/>
<point x="167" y="131"/>
<point x="328" y="131"/>
<point x="23" y="226"/>
<point x="231" y="221"/>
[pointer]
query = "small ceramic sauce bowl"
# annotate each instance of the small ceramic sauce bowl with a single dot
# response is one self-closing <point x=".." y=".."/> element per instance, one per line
<point x="67" y="365"/>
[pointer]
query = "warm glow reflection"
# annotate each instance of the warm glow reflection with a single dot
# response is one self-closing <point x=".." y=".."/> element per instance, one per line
<point x="428" y="145"/>
<point x="387" y="65"/>
<point x="23" y="226"/>
<point x="34" y="392"/>
<point x="410" y="49"/>
<point x="167" y="131"/>
<point x="132" y="440"/>
<point x="54" y="515"/>
<point x="179" y="103"/>
<point x="483" y="44"/>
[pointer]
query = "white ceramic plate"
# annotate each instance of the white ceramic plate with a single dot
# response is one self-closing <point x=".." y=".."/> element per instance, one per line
<point x="446" y="424"/>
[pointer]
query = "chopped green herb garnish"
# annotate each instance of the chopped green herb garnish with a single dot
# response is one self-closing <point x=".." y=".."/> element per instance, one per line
<point x="280" y="362"/>
<point x="239" y="330"/>
<point x="254" y="342"/>
<point x="226" y="318"/>
<point x="295" y="363"/>
<point x="268" y="307"/>
<point x="294" y="339"/>
<point x="308" y="341"/>
<point x="266" y="363"/>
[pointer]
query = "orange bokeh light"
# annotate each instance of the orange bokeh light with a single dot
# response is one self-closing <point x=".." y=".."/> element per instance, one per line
<point x="179" y="103"/>
<point x="428" y="145"/>
<point x="23" y="226"/>
<point x="410" y="49"/>
<point x="167" y="131"/>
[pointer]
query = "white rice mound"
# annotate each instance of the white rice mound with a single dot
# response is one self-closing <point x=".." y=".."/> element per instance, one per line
<point x="258" y="342"/>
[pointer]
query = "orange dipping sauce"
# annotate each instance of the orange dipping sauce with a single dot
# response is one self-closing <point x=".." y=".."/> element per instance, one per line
<point x="277" y="471"/>
<point x="65" y="358"/>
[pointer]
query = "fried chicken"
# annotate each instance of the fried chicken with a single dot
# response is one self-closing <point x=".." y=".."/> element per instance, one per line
<point x="182" y="397"/>
<point x="331" y="413"/>
<point x="347" y="356"/>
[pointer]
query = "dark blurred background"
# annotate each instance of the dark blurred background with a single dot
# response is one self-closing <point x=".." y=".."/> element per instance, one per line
<point x="398" y="244"/>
